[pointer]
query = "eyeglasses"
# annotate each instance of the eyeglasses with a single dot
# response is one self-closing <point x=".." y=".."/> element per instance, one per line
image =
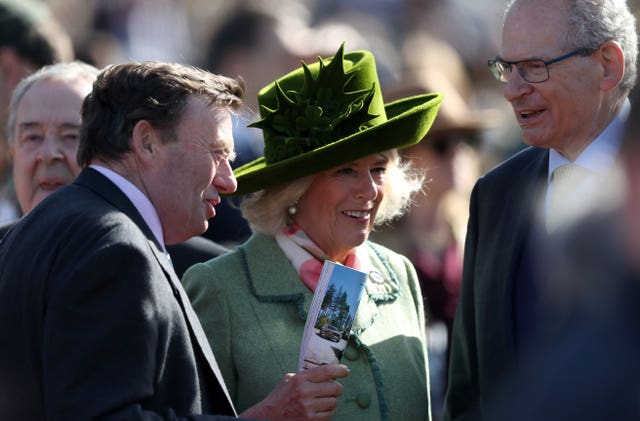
<point x="532" y="70"/>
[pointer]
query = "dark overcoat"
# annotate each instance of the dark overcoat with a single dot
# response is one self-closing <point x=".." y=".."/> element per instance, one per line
<point x="94" y="321"/>
<point x="503" y="210"/>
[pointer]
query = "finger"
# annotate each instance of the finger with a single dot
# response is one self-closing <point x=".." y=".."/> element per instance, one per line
<point x="324" y="404"/>
<point x="329" y="388"/>
<point x="316" y="409"/>
<point x="326" y="372"/>
<point x="325" y="415"/>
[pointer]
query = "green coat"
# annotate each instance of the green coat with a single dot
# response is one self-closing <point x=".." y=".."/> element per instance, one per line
<point x="253" y="308"/>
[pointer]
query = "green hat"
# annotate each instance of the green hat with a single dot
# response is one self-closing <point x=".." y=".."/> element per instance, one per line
<point x="327" y="114"/>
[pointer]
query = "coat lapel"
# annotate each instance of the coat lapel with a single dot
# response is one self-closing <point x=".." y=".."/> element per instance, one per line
<point x="382" y="285"/>
<point x="279" y="293"/>
<point x="273" y="278"/>
<point x="105" y="188"/>
<point x="102" y="186"/>
<point x="192" y="320"/>
<point x="509" y="237"/>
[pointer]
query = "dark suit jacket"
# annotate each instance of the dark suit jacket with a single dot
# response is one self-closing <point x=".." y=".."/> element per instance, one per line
<point x="502" y="211"/>
<point x="194" y="250"/>
<point x="183" y="255"/>
<point x="6" y="226"/>
<point x="587" y="369"/>
<point x="94" y="320"/>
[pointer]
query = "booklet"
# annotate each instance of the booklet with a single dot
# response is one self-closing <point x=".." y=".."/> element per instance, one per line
<point x="331" y="315"/>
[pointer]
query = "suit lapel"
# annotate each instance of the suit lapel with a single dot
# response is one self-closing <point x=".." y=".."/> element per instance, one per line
<point x="192" y="320"/>
<point x="102" y="186"/>
<point x="509" y="237"/>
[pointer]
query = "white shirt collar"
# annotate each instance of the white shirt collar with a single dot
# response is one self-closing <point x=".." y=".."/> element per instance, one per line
<point x="599" y="157"/>
<point x="139" y="200"/>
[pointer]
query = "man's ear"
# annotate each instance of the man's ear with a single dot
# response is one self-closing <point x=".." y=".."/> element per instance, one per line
<point x="145" y="141"/>
<point x="612" y="58"/>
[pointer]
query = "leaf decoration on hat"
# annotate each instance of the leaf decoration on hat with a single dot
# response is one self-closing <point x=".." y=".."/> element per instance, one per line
<point x="321" y="112"/>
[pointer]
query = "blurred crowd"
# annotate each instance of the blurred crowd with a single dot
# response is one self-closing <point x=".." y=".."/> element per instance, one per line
<point x="420" y="46"/>
<point x="218" y="34"/>
<point x="416" y="48"/>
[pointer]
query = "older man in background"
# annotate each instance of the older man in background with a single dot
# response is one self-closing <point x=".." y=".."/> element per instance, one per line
<point x="30" y="37"/>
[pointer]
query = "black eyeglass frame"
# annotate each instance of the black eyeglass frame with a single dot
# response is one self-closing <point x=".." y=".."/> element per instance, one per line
<point x="493" y="64"/>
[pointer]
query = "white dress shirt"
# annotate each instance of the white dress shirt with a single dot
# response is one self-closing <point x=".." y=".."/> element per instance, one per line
<point x="599" y="157"/>
<point x="139" y="200"/>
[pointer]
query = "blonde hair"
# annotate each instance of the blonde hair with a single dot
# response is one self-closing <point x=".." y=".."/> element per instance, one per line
<point x="267" y="210"/>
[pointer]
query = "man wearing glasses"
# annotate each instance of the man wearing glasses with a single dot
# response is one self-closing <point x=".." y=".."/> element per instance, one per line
<point x="567" y="68"/>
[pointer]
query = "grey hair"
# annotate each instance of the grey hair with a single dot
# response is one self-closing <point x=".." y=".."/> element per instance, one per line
<point x="266" y="210"/>
<point x="594" y="22"/>
<point x="64" y="72"/>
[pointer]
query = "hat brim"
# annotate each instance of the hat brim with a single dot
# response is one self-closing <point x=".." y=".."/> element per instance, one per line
<point x="408" y="120"/>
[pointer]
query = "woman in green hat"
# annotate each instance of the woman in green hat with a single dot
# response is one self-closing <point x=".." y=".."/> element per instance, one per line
<point x="330" y="173"/>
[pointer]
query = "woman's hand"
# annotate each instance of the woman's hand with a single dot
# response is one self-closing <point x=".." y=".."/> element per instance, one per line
<point x="308" y="395"/>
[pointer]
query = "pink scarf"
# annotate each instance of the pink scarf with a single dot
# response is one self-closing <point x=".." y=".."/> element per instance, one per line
<point x="306" y="257"/>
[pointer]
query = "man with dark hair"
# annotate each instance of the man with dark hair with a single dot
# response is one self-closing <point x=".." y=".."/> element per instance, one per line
<point x="96" y="321"/>
<point x="43" y="131"/>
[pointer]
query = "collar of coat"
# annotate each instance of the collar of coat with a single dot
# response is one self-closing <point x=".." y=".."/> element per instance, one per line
<point x="273" y="279"/>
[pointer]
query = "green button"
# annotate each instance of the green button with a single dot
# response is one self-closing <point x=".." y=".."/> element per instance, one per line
<point x="351" y="353"/>
<point x="363" y="400"/>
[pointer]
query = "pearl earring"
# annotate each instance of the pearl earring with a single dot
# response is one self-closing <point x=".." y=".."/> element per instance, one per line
<point x="293" y="209"/>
